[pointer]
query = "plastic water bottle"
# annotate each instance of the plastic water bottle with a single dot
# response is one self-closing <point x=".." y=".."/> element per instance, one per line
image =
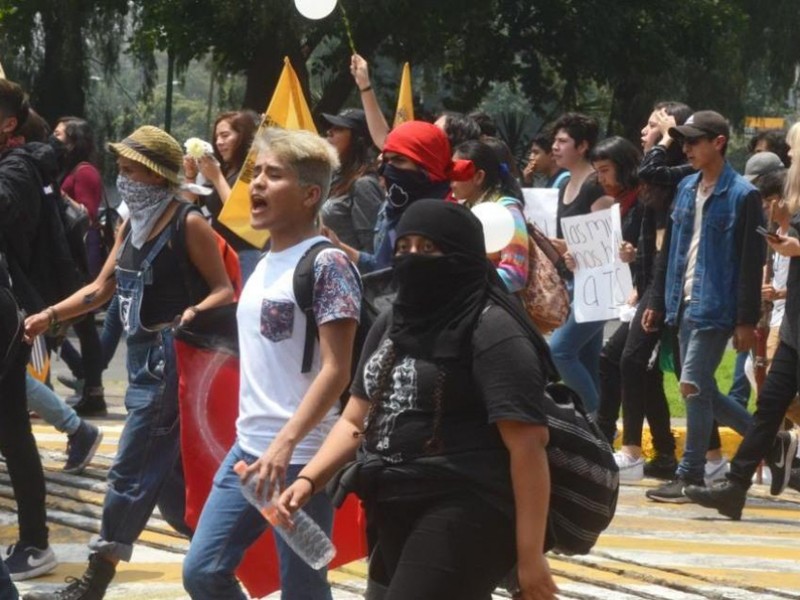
<point x="306" y="538"/>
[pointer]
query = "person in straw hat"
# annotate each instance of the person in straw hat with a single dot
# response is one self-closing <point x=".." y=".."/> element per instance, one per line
<point x="159" y="284"/>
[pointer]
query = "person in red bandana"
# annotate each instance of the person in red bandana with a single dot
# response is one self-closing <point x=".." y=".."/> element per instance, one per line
<point x="416" y="163"/>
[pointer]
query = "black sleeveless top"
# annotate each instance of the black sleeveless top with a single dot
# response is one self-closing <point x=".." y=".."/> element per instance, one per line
<point x="177" y="284"/>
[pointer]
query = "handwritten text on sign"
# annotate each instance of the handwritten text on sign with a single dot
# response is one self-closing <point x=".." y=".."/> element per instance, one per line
<point x="602" y="282"/>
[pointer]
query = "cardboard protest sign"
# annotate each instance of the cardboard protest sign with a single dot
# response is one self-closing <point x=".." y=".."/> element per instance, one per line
<point x="603" y="283"/>
<point x="541" y="205"/>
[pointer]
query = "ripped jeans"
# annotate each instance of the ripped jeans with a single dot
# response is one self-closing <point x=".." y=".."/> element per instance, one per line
<point x="701" y="354"/>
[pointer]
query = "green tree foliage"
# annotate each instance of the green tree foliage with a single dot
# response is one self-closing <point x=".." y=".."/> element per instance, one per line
<point x="46" y="45"/>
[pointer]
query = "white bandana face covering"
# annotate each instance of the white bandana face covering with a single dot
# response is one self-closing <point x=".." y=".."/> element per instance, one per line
<point x="146" y="202"/>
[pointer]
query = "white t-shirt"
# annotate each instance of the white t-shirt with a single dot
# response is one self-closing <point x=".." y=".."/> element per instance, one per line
<point x="780" y="276"/>
<point x="691" y="256"/>
<point x="272" y="337"/>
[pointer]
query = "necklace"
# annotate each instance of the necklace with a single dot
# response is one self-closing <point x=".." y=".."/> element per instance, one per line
<point x="705" y="188"/>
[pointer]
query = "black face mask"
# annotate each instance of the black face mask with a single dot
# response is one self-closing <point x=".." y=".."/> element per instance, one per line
<point x="438" y="302"/>
<point x="404" y="187"/>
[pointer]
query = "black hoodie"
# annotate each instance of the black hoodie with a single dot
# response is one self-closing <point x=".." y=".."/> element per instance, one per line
<point x="31" y="234"/>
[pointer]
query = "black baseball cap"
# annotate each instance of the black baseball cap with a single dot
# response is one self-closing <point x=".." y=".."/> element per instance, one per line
<point x="349" y="118"/>
<point x="704" y="123"/>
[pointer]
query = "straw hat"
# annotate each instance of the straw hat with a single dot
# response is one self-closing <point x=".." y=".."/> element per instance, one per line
<point x="155" y="149"/>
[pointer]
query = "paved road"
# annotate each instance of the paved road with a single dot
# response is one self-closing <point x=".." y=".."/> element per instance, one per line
<point x="651" y="551"/>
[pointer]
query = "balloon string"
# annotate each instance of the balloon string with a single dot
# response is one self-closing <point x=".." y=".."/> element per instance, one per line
<point x="347" y="28"/>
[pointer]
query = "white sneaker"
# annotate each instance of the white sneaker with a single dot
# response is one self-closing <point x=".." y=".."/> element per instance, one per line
<point x="715" y="470"/>
<point x="766" y="476"/>
<point x="630" y="469"/>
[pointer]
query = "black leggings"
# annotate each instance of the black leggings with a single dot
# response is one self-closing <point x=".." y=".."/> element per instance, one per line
<point x="459" y="546"/>
<point x="18" y="446"/>
<point x="88" y="364"/>
<point x="631" y="376"/>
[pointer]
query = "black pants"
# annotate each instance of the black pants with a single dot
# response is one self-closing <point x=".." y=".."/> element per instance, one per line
<point x="459" y="546"/>
<point x="88" y="364"/>
<point x="778" y="391"/>
<point x="631" y="376"/>
<point x="18" y="446"/>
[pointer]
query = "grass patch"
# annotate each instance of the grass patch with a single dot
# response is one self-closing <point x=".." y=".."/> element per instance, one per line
<point x="724" y="377"/>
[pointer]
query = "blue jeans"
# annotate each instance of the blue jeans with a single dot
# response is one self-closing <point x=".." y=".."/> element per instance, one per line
<point x="46" y="403"/>
<point x="147" y="469"/>
<point x="229" y="525"/>
<point x="7" y="589"/>
<point x="701" y="353"/>
<point x="576" y="351"/>
<point x="740" y="388"/>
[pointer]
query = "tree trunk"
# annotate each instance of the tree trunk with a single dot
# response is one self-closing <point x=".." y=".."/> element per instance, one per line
<point x="59" y="87"/>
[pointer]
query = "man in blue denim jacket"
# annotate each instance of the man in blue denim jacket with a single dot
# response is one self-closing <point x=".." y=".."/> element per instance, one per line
<point x="712" y="286"/>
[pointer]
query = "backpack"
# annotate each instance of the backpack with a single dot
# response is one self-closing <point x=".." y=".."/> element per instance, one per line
<point x="584" y="477"/>
<point x="545" y="295"/>
<point x="57" y="272"/>
<point x="108" y="221"/>
<point x="303" y="286"/>
<point x="229" y="256"/>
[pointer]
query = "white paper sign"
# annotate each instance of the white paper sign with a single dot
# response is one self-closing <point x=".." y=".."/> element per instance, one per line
<point x="602" y="282"/>
<point x="541" y="205"/>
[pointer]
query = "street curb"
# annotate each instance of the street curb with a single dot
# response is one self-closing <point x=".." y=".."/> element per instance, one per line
<point x="730" y="441"/>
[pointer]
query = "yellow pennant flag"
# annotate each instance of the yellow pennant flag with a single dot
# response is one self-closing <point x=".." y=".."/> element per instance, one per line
<point x="405" y="100"/>
<point x="288" y="109"/>
<point x="2" y="72"/>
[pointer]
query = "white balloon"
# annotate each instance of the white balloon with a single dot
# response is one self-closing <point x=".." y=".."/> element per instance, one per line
<point x="498" y="225"/>
<point x="315" y="9"/>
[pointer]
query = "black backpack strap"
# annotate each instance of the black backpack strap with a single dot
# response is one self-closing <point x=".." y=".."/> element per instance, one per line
<point x="303" y="285"/>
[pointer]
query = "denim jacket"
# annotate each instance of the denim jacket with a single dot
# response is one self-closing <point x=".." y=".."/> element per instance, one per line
<point x="726" y="289"/>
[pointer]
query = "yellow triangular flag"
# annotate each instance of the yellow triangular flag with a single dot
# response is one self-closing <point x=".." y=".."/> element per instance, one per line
<point x="288" y="109"/>
<point x="405" y="100"/>
<point x="2" y="72"/>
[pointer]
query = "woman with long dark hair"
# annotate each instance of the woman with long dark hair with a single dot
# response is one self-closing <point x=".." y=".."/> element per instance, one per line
<point x="81" y="183"/>
<point x="446" y="419"/>
<point x="82" y="186"/>
<point x="351" y="209"/>
<point x="492" y="181"/>
<point x="233" y="134"/>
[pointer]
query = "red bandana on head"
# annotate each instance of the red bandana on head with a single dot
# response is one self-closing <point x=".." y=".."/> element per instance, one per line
<point x="425" y="144"/>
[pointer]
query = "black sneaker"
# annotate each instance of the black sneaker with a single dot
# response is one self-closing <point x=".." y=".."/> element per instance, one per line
<point x="92" y="403"/>
<point x="92" y="586"/>
<point x="728" y="497"/>
<point x="779" y="460"/>
<point x="81" y="447"/>
<point x="662" y="466"/>
<point x="673" y="491"/>
<point x="26" y="562"/>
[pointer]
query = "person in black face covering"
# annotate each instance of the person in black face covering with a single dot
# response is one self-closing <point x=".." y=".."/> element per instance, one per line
<point x="416" y="163"/>
<point x="452" y="455"/>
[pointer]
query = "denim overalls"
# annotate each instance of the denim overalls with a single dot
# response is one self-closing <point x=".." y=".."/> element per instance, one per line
<point x="147" y="469"/>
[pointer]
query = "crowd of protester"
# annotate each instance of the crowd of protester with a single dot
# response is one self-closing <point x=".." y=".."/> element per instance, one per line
<point x="443" y="437"/>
